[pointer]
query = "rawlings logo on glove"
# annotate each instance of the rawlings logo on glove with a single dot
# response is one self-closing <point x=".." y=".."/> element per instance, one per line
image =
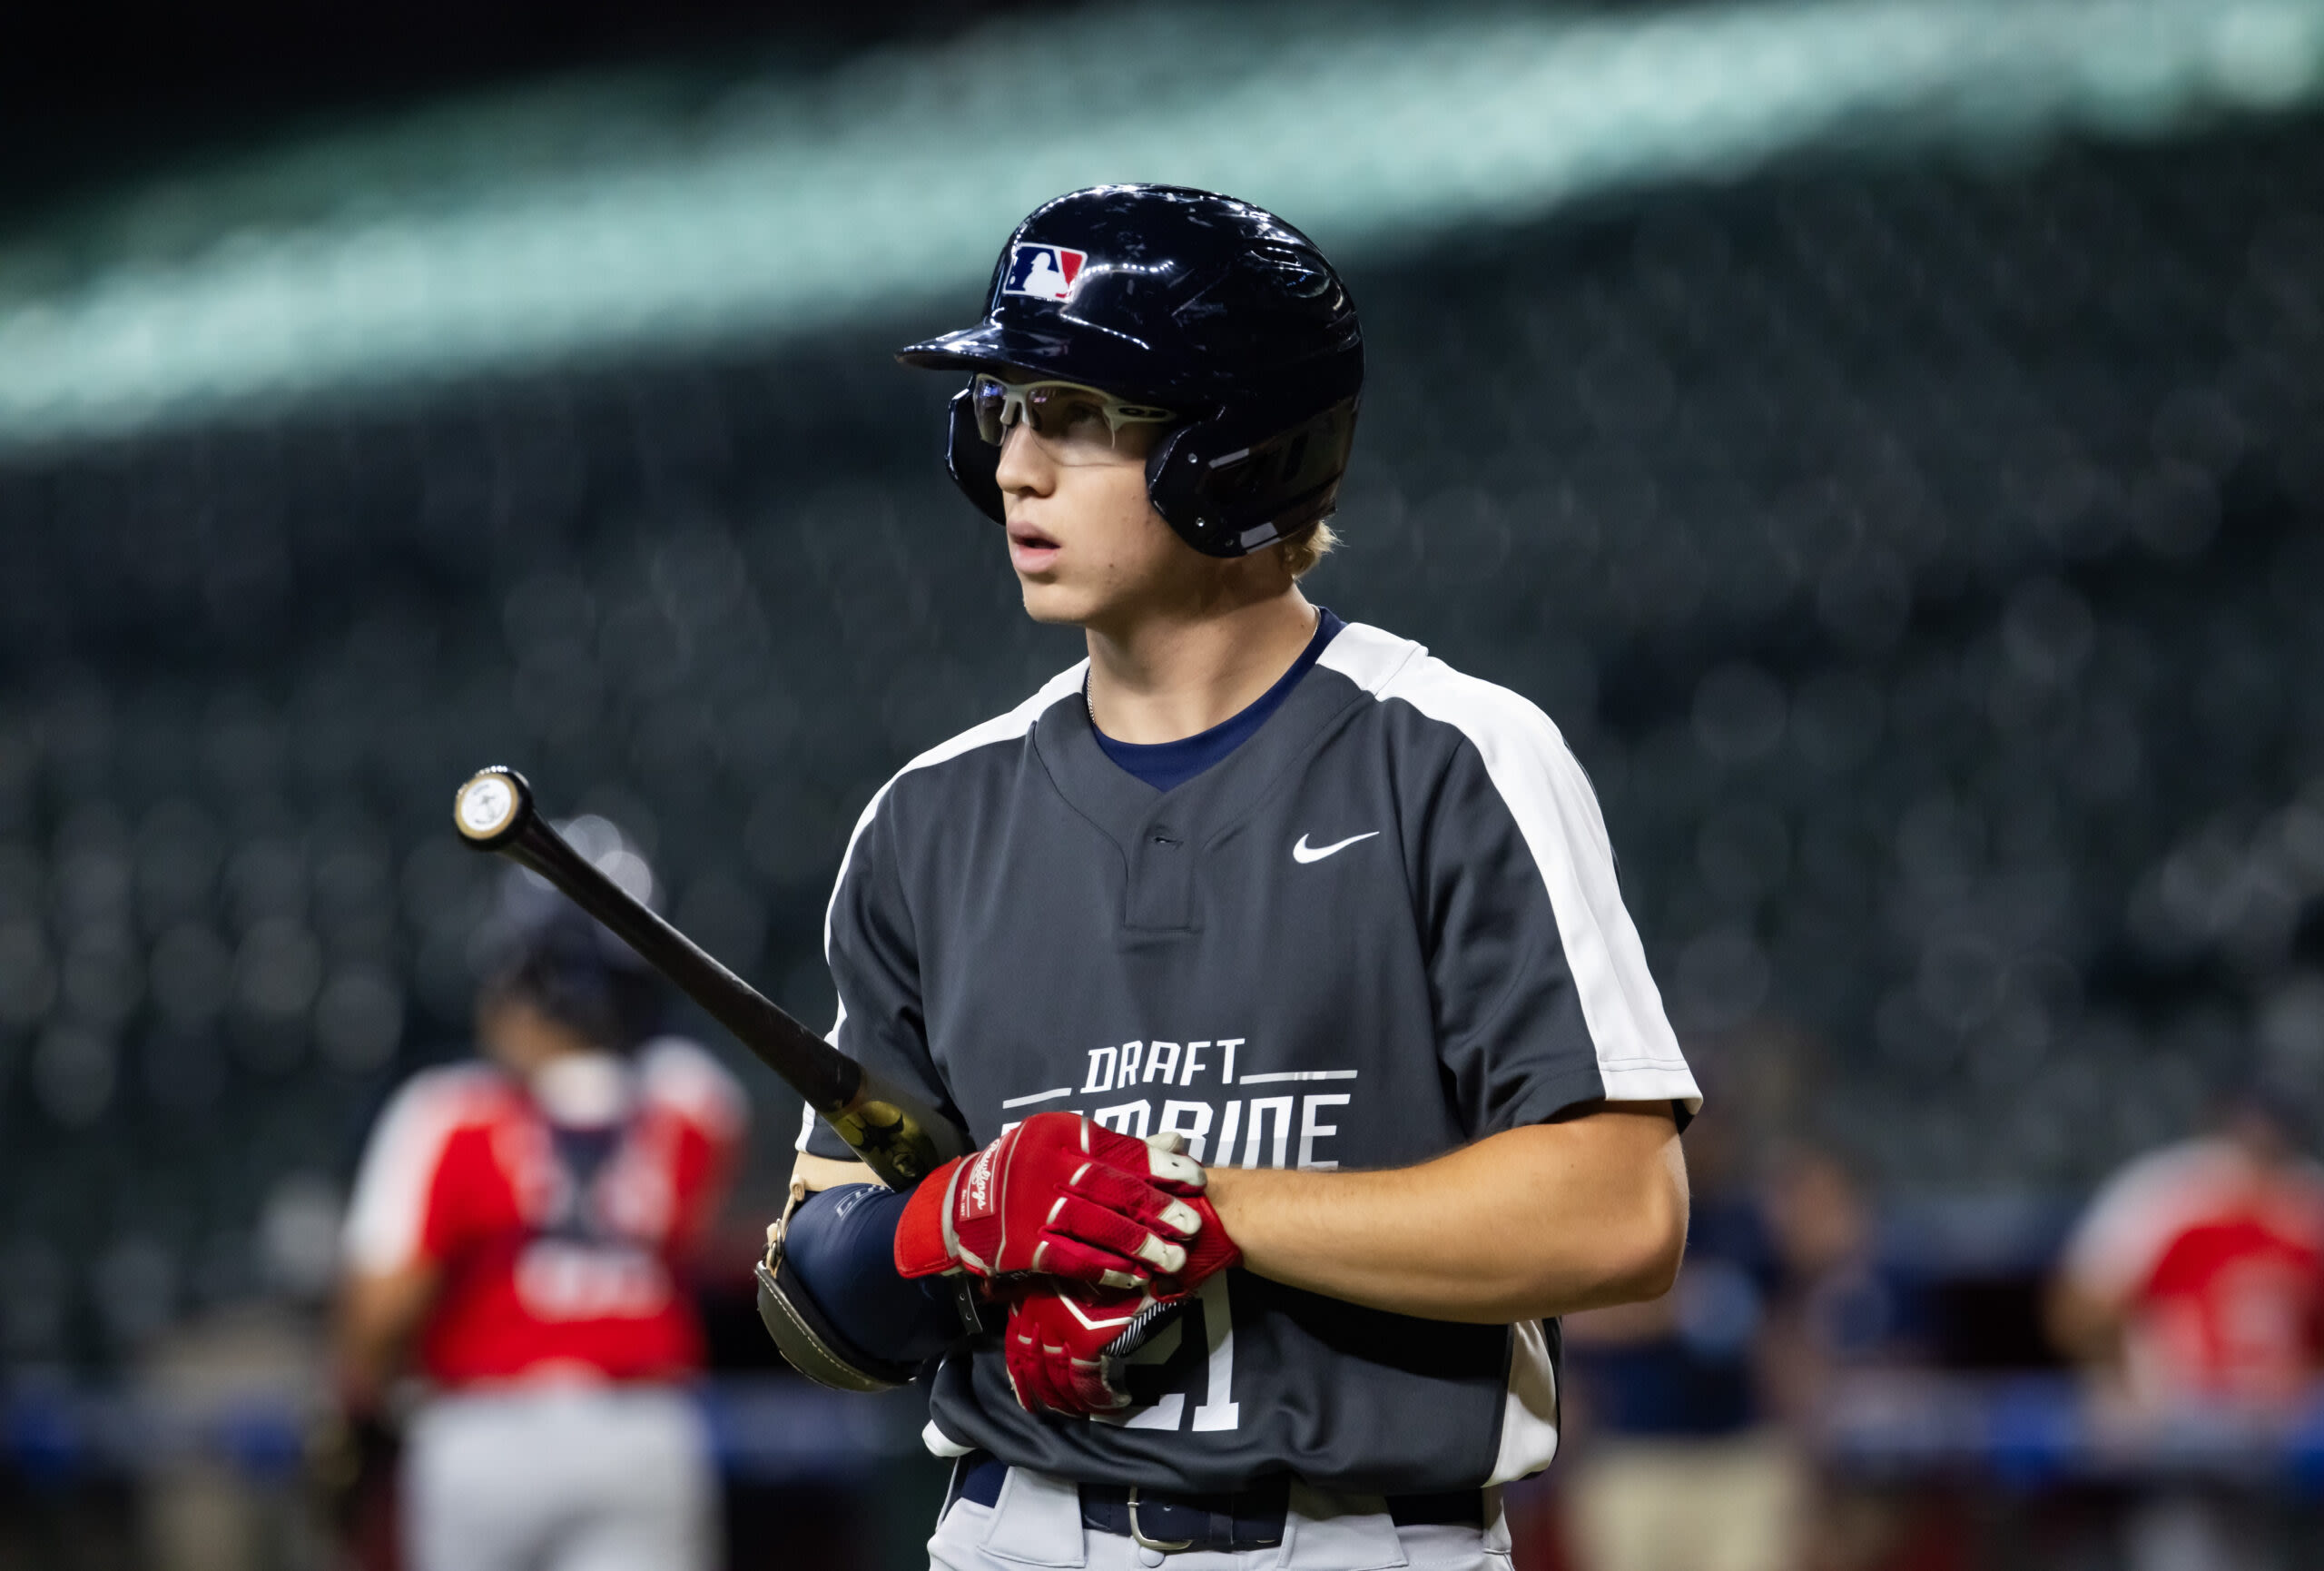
<point x="976" y="1196"/>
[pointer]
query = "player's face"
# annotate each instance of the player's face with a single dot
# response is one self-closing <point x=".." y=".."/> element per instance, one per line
<point x="519" y="1036"/>
<point x="1087" y="547"/>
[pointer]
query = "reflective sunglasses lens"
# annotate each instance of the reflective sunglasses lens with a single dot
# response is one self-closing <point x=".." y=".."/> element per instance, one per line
<point x="990" y="398"/>
<point x="1065" y="411"/>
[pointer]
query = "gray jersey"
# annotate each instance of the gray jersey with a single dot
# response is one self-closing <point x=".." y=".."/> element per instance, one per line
<point x="1386" y="925"/>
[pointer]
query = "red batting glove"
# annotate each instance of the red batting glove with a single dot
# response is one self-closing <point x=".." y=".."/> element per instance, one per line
<point x="1067" y="1343"/>
<point x="1056" y="1349"/>
<point x="1057" y="1195"/>
<point x="1208" y="1253"/>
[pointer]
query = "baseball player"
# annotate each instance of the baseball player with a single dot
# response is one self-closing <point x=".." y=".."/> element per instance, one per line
<point x="1281" y="967"/>
<point x="513" y="1239"/>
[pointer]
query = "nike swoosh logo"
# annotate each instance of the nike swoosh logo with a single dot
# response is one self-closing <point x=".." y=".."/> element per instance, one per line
<point x="1303" y="851"/>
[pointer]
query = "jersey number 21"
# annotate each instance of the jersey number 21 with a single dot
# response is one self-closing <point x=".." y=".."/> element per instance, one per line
<point x="1213" y="1356"/>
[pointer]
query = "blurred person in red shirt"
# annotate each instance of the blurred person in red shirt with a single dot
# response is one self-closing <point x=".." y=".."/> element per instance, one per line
<point x="2193" y="1287"/>
<point x="2198" y="1272"/>
<point x="517" y="1240"/>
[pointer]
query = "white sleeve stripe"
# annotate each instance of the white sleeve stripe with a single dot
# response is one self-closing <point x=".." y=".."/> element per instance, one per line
<point x="1550" y="797"/>
<point x="387" y="1216"/>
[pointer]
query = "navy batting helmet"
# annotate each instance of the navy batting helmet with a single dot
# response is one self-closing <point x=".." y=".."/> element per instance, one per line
<point x="541" y="947"/>
<point x="1212" y="307"/>
<point x="579" y="976"/>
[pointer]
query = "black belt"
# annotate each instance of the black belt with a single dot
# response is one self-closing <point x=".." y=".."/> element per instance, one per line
<point x="1249" y="1518"/>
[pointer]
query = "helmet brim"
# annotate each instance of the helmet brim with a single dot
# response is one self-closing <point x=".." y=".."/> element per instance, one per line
<point x="978" y="348"/>
<point x="1068" y="351"/>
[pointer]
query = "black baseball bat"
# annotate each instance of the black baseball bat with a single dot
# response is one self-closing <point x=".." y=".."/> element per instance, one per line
<point x="896" y="1135"/>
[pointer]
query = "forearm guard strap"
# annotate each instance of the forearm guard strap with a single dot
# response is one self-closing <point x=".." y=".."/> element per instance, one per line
<point x="804" y="1334"/>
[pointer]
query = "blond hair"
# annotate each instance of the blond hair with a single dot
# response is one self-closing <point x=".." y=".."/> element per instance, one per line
<point x="1309" y="547"/>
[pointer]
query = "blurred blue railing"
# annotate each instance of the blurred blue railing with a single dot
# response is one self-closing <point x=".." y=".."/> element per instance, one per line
<point x="766" y="1429"/>
<point x="2033" y="1432"/>
<point x="2018" y="1432"/>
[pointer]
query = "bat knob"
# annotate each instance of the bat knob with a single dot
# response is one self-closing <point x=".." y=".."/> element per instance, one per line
<point x="491" y="807"/>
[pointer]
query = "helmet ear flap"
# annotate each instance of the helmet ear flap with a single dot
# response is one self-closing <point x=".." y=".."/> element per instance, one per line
<point x="1174" y="470"/>
<point x="973" y="462"/>
<point x="1232" y="503"/>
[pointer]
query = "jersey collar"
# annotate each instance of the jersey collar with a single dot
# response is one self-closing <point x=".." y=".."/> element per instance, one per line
<point x="1128" y="811"/>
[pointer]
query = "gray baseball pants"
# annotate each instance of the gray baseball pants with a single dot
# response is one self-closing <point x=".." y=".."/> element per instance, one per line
<point x="1037" y="1523"/>
<point x="560" y="1478"/>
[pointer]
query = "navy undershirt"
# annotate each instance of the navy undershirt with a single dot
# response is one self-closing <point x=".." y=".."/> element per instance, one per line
<point x="1166" y="765"/>
<point x="841" y="1242"/>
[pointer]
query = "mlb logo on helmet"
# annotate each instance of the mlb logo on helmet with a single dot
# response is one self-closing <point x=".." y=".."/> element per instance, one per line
<point x="1043" y="272"/>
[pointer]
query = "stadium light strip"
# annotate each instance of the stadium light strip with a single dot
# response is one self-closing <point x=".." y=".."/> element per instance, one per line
<point x="652" y="214"/>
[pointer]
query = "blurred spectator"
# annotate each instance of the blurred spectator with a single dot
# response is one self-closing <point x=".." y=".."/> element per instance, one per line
<point x="1701" y="1409"/>
<point x="2198" y="1272"/>
<point x="1837" y="1307"/>
<point x="2193" y="1290"/>
<point x="519" y="1226"/>
<point x="232" y="1505"/>
<point x="1835" y="1304"/>
<point x="1679" y="1470"/>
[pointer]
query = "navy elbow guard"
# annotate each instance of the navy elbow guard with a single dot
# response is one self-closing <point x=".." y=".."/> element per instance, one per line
<point x="810" y="1343"/>
<point x="903" y="1321"/>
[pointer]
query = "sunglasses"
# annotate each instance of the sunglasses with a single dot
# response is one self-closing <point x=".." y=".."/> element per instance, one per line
<point x="1065" y="413"/>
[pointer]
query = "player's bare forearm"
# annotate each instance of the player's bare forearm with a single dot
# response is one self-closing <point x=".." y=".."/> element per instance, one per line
<point x="2085" y="1324"/>
<point x="1541" y="1221"/>
<point x="378" y="1313"/>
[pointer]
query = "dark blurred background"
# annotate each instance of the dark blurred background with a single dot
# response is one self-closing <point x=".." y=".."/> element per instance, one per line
<point x="1888" y="439"/>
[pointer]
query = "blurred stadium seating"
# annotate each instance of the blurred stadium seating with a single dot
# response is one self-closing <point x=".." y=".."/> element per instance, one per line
<point x="1922" y="555"/>
<point x="1921" y="562"/>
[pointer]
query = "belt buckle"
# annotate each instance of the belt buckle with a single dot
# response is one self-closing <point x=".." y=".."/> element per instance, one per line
<point x="1138" y="1534"/>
